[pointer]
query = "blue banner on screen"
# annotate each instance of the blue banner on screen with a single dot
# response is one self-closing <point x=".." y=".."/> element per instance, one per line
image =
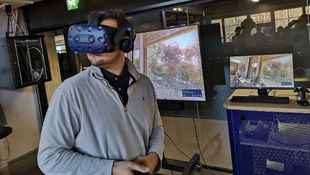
<point x="191" y="93"/>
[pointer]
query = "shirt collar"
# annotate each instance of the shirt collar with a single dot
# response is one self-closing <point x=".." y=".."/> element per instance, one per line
<point x="97" y="73"/>
<point x="109" y="75"/>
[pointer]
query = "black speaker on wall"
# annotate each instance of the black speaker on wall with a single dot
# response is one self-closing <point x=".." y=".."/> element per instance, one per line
<point x="23" y="61"/>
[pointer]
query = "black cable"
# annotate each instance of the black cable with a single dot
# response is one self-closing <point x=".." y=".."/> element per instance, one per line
<point x="198" y="142"/>
<point x="8" y="10"/>
<point x="200" y="148"/>
<point x="11" y="21"/>
<point x="198" y="116"/>
<point x="8" y="26"/>
<point x="177" y="146"/>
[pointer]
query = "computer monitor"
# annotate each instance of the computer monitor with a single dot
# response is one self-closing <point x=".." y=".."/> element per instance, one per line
<point x="272" y="71"/>
<point x="171" y="58"/>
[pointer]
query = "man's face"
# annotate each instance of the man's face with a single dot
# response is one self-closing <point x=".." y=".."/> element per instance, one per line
<point x="103" y="59"/>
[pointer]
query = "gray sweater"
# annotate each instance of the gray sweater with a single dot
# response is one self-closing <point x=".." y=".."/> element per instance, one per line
<point x="87" y="127"/>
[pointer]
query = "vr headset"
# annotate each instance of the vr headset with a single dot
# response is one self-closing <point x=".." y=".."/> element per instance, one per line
<point x="93" y="38"/>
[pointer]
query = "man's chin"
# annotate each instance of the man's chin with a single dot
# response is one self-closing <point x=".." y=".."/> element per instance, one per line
<point x="103" y="59"/>
<point x="100" y="63"/>
<point x="105" y="54"/>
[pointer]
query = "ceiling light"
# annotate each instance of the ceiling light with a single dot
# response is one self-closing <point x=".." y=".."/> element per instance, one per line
<point x="255" y="0"/>
<point x="178" y="9"/>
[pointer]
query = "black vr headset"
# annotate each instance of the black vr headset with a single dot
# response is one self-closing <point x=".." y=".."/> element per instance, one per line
<point x="93" y="38"/>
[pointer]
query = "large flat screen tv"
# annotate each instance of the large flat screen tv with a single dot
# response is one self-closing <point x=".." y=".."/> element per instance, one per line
<point x="171" y="58"/>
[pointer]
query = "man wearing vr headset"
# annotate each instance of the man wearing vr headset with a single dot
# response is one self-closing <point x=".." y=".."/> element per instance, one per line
<point x="105" y="120"/>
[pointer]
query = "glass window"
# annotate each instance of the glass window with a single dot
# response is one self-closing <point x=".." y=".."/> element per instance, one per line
<point x="308" y="10"/>
<point x="230" y="26"/>
<point x="295" y="13"/>
<point x="283" y="17"/>
<point x="281" y="22"/>
<point x="260" y="18"/>
<point x="215" y="21"/>
<point x="281" y="14"/>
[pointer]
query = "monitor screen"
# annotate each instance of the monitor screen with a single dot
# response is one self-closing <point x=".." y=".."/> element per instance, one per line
<point x="171" y="58"/>
<point x="262" y="71"/>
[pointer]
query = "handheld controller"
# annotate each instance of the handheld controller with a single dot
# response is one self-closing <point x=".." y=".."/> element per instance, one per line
<point x="302" y="91"/>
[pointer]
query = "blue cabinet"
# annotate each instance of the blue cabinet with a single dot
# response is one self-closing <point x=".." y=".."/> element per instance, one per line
<point x="269" y="143"/>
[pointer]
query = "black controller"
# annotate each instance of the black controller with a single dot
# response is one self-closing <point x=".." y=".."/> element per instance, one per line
<point x="302" y="91"/>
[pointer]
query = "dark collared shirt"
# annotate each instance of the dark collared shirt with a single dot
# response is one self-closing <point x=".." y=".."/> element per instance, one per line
<point x="119" y="82"/>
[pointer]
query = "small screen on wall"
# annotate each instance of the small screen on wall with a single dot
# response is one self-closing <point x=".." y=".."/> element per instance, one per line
<point x="72" y="4"/>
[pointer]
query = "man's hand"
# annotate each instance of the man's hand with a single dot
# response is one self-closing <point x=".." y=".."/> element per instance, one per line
<point x="127" y="168"/>
<point x="150" y="161"/>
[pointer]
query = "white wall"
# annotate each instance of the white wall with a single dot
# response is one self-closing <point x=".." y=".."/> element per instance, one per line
<point x="21" y="110"/>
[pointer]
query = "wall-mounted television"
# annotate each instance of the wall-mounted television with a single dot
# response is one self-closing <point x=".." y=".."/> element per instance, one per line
<point x="171" y="58"/>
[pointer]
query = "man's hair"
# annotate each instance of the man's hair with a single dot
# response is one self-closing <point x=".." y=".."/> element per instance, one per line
<point x="95" y="17"/>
